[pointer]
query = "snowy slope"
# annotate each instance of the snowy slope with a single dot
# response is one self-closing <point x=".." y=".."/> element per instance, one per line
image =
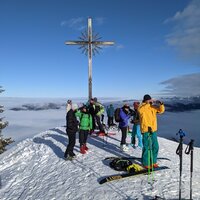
<point x="34" y="169"/>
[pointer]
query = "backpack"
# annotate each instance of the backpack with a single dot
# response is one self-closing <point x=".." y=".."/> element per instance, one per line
<point x="117" y="115"/>
<point x="120" y="164"/>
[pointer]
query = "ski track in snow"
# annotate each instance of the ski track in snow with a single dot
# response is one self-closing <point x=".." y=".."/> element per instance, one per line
<point x="34" y="169"/>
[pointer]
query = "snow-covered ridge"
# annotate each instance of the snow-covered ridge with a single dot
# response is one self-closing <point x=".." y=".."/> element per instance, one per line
<point x="35" y="169"/>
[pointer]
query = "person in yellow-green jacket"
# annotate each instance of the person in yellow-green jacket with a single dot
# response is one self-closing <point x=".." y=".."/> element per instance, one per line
<point x="148" y="111"/>
<point x="96" y="109"/>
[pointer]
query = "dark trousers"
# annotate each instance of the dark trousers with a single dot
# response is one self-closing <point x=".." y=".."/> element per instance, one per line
<point x="102" y="118"/>
<point x="71" y="144"/>
<point x="100" y="126"/>
<point x="124" y="134"/>
<point x="93" y="122"/>
<point x="110" y="121"/>
<point x="83" y="135"/>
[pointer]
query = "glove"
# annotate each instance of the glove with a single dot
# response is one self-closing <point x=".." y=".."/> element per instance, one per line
<point x="159" y="102"/>
<point x="150" y="130"/>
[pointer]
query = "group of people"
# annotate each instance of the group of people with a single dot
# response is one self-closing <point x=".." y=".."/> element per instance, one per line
<point x="143" y="117"/>
<point x="89" y="116"/>
<point x="125" y="114"/>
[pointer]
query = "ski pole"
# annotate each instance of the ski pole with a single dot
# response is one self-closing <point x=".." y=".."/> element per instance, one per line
<point x="179" y="151"/>
<point x="105" y="138"/>
<point x="189" y="150"/>
<point x="150" y="153"/>
<point x="104" y="142"/>
<point x="149" y="159"/>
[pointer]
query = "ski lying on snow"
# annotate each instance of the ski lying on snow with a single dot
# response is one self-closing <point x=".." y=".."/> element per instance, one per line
<point x="120" y="176"/>
<point x="133" y="157"/>
<point x="102" y="134"/>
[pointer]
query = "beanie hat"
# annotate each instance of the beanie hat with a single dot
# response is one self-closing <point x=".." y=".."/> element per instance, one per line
<point x="69" y="101"/>
<point x="95" y="99"/>
<point x="146" y="97"/>
<point x="74" y="106"/>
<point x="126" y="106"/>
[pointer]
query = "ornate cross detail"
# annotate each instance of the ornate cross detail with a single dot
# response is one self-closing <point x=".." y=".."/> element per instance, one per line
<point x="90" y="44"/>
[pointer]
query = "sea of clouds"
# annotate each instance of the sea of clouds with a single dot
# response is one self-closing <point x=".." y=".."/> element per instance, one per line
<point x="28" y="117"/>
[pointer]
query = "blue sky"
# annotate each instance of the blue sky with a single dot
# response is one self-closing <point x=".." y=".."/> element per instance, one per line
<point x="156" y="51"/>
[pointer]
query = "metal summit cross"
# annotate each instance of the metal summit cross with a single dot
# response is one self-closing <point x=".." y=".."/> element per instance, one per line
<point x="89" y="44"/>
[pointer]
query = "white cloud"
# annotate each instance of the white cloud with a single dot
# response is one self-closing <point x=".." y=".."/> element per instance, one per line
<point x="120" y="46"/>
<point x="185" y="37"/>
<point x="75" y="23"/>
<point x="99" y="20"/>
<point x="186" y="85"/>
<point x="80" y="23"/>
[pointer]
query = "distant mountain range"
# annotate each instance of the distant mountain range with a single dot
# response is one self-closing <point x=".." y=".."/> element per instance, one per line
<point x="172" y="104"/>
<point x="36" y="107"/>
<point x="177" y="104"/>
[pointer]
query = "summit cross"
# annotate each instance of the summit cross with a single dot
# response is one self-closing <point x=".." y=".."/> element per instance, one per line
<point x="90" y="44"/>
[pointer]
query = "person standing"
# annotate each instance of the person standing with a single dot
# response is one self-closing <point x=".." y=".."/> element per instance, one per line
<point x="71" y="129"/>
<point x="136" y="127"/>
<point x="110" y="114"/>
<point x="84" y="127"/>
<point x="68" y="105"/>
<point x="96" y="109"/>
<point x="91" y="109"/>
<point x="99" y="110"/>
<point x="125" y="114"/>
<point x="148" y="111"/>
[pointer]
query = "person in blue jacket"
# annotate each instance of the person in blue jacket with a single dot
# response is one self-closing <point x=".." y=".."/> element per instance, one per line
<point x="125" y="114"/>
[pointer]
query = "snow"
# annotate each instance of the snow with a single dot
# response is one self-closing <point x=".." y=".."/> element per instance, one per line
<point x="34" y="169"/>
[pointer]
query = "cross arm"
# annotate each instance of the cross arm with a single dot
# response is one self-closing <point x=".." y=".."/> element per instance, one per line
<point x="76" y="43"/>
<point x="102" y="43"/>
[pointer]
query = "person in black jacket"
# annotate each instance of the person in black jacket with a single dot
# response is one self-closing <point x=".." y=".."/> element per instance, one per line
<point x="71" y="129"/>
<point x="96" y="109"/>
<point x="91" y="110"/>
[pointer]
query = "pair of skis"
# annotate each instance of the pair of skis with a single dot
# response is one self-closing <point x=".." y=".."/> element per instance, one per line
<point x="125" y="175"/>
<point x="144" y="171"/>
